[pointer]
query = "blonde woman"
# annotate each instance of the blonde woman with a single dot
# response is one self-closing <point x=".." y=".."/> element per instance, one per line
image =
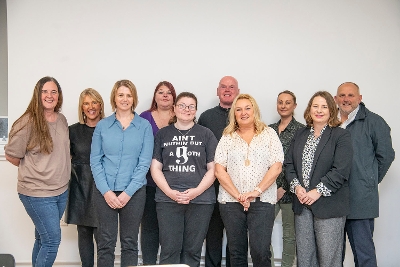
<point x="120" y="157"/>
<point x="248" y="159"/>
<point x="81" y="203"/>
<point x="286" y="127"/>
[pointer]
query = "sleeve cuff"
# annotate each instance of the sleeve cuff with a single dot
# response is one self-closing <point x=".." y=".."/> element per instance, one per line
<point x="323" y="190"/>
<point x="295" y="182"/>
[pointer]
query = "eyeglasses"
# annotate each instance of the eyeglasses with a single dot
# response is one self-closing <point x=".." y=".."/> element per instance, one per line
<point x="53" y="92"/>
<point x="183" y="106"/>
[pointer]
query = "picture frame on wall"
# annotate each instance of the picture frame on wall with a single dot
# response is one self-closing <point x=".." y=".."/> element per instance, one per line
<point x="3" y="135"/>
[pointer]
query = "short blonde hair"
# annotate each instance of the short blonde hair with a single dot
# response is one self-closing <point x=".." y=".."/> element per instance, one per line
<point x="259" y="126"/>
<point x="96" y="97"/>
<point x="128" y="84"/>
<point x="333" y="111"/>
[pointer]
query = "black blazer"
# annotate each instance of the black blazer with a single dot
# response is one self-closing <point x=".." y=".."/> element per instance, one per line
<point x="332" y="165"/>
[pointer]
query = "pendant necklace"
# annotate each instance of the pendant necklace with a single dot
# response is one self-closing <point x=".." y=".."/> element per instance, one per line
<point x="182" y="130"/>
<point x="247" y="161"/>
<point x="54" y="128"/>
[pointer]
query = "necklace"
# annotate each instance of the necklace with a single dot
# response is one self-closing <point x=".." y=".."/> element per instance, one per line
<point x="183" y="130"/>
<point x="54" y="128"/>
<point x="247" y="161"/>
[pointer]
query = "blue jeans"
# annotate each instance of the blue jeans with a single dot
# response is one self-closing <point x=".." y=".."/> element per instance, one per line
<point x="257" y="223"/>
<point x="45" y="213"/>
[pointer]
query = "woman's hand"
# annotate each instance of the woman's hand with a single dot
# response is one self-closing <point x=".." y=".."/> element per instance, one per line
<point x="279" y="193"/>
<point x="123" y="198"/>
<point x="175" y="195"/>
<point x="312" y="197"/>
<point x="246" y="198"/>
<point x="189" y="194"/>
<point x="301" y="193"/>
<point x="250" y="196"/>
<point x="112" y="200"/>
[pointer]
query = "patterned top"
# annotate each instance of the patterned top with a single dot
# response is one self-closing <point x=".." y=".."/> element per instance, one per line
<point x="264" y="150"/>
<point x="307" y="162"/>
<point x="286" y="137"/>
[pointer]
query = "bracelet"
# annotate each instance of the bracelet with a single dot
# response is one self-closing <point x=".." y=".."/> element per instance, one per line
<point x="258" y="190"/>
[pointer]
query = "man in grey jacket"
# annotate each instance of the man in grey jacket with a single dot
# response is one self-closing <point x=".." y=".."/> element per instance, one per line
<point x="373" y="155"/>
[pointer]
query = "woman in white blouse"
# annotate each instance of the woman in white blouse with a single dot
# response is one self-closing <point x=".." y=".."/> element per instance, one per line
<point x="248" y="160"/>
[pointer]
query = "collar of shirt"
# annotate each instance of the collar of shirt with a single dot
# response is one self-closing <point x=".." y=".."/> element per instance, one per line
<point x="226" y="110"/>
<point x="350" y="118"/>
<point x="135" y="122"/>
<point x="322" y="131"/>
<point x="290" y="127"/>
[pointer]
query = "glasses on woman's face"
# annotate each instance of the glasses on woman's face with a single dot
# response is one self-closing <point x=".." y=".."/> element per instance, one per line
<point x="183" y="106"/>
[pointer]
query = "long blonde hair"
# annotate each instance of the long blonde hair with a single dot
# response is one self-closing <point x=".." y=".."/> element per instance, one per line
<point x="39" y="134"/>
<point x="259" y="126"/>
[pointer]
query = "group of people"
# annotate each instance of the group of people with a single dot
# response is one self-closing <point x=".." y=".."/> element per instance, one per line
<point x="163" y="172"/>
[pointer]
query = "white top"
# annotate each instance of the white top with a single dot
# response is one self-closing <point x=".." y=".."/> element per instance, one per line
<point x="264" y="150"/>
<point x="350" y="118"/>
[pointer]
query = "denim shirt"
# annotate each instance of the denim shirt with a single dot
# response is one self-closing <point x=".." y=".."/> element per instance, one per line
<point x="120" y="159"/>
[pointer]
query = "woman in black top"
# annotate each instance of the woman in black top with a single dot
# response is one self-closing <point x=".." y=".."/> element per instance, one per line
<point x="81" y="210"/>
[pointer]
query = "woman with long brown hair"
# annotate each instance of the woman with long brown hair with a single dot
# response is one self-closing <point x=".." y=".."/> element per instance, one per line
<point x="39" y="146"/>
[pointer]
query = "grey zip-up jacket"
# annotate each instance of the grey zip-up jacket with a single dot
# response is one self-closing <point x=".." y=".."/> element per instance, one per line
<point x="373" y="155"/>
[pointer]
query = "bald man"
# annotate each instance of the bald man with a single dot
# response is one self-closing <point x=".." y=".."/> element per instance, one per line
<point x="216" y="120"/>
<point x="373" y="155"/>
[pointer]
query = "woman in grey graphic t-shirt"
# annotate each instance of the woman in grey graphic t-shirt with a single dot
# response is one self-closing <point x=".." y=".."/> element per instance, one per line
<point x="183" y="169"/>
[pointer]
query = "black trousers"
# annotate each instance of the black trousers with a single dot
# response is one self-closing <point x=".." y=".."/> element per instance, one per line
<point x="129" y="218"/>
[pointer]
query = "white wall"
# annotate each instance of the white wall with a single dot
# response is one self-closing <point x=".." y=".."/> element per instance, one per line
<point x="269" y="46"/>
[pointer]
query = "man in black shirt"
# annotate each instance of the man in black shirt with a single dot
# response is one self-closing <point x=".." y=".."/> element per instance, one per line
<point x="216" y="120"/>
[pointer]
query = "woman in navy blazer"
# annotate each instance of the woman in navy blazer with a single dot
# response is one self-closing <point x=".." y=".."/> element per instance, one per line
<point x="317" y="167"/>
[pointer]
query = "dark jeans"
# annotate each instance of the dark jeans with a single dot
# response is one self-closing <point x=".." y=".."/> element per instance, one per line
<point x="129" y="221"/>
<point x="182" y="231"/>
<point x="86" y="244"/>
<point x="45" y="213"/>
<point x="149" y="229"/>
<point x="258" y="221"/>
<point x="360" y="234"/>
<point x="214" y="240"/>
